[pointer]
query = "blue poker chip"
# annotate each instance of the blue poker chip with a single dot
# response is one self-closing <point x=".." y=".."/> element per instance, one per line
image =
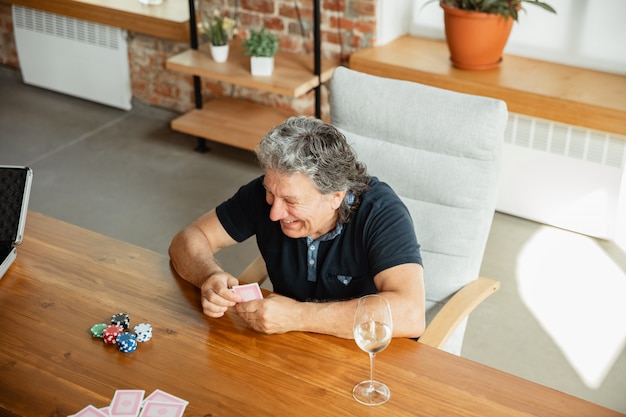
<point x="126" y="342"/>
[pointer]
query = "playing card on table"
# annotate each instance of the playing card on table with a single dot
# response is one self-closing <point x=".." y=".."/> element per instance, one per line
<point x="248" y="292"/>
<point x="126" y="403"/>
<point x="164" y="397"/>
<point x="161" y="409"/>
<point x="89" y="411"/>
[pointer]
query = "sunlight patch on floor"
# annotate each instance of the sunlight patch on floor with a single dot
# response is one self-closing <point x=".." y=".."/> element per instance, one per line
<point x="576" y="292"/>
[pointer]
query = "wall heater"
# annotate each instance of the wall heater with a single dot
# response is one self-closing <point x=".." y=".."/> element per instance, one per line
<point x="564" y="176"/>
<point x="73" y="56"/>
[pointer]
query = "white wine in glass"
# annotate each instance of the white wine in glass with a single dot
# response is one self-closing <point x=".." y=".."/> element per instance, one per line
<point x="372" y="333"/>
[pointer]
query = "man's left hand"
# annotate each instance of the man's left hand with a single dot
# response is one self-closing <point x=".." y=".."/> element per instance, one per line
<point x="272" y="315"/>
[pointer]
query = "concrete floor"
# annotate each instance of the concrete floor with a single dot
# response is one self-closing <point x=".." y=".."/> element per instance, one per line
<point x="127" y="175"/>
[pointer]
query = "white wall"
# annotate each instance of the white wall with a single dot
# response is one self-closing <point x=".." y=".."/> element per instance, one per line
<point x="583" y="33"/>
<point x="394" y="19"/>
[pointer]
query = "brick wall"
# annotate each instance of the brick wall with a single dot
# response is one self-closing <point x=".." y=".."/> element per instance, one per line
<point x="346" y="26"/>
<point x="8" y="53"/>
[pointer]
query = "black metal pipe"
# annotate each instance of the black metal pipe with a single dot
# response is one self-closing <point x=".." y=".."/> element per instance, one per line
<point x="197" y="86"/>
<point x="317" y="47"/>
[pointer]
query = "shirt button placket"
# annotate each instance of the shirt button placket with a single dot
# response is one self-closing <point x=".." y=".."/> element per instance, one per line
<point x="312" y="258"/>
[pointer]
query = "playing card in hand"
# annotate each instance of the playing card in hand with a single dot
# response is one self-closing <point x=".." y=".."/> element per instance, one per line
<point x="248" y="292"/>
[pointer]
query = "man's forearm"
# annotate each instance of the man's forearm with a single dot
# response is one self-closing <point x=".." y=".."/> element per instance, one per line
<point x="195" y="263"/>
<point x="337" y="318"/>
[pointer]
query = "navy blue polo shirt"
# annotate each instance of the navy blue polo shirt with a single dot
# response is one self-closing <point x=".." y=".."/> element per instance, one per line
<point x="337" y="266"/>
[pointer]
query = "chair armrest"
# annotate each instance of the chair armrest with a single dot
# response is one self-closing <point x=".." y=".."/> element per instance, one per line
<point x="456" y="310"/>
<point x="255" y="272"/>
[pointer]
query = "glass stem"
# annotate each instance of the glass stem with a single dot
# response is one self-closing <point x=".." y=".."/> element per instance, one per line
<point x="372" y="369"/>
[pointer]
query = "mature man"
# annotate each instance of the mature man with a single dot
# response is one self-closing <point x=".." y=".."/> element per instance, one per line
<point x="328" y="232"/>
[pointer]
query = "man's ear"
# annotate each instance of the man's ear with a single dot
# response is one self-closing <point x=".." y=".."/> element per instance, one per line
<point x="337" y="198"/>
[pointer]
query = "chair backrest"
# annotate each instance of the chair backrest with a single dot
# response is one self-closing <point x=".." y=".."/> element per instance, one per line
<point x="440" y="151"/>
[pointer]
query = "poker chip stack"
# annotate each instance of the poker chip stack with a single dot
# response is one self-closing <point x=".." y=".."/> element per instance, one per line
<point x="143" y="332"/>
<point x="98" y="329"/>
<point x="126" y="342"/>
<point x="121" y="319"/>
<point x="110" y="333"/>
<point x="116" y="333"/>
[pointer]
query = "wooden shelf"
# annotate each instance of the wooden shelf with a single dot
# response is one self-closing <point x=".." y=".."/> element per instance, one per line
<point x="293" y="74"/>
<point x="237" y="122"/>
<point x="242" y="123"/>
<point x="233" y="122"/>
<point x="572" y="95"/>
<point x="169" y="20"/>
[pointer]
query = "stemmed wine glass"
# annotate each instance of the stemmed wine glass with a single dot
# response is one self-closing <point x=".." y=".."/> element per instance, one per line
<point x="372" y="333"/>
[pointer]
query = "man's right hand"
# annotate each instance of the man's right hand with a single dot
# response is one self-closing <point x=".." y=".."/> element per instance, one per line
<point x="217" y="295"/>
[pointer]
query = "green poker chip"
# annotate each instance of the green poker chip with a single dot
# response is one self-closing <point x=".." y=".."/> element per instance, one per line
<point x="97" y="329"/>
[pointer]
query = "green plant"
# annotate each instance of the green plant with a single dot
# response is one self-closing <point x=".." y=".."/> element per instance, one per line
<point x="506" y="8"/>
<point x="261" y="43"/>
<point x="217" y="28"/>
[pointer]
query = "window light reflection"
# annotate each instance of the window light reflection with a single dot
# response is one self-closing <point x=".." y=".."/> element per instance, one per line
<point x="576" y="292"/>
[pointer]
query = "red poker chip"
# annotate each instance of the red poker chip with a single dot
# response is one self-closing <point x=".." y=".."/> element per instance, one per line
<point x="110" y="333"/>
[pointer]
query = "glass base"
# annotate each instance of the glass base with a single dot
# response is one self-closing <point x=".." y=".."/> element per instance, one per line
<point x="371" y="392"/>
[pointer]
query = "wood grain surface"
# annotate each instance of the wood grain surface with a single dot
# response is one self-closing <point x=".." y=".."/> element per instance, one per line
<point x="66" y="279"/>
<point x="169" y="20"/>
<point x="566" y="94"/>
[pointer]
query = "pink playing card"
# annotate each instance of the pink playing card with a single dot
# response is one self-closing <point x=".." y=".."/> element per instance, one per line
<point x="164" y="397"/>
<point x="90" y="411"/>
<point x="160" y="409"/>
<point x="126" y="403"/>
<point x="248" y="292"/>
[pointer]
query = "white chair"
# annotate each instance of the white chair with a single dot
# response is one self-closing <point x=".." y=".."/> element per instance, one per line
<point x="440" y="151"/>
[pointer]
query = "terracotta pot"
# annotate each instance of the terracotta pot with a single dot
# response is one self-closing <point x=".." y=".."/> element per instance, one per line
<point x="475" y="40"/>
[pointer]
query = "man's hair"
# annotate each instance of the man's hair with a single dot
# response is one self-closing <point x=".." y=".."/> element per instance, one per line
<point x="321" y="152"/>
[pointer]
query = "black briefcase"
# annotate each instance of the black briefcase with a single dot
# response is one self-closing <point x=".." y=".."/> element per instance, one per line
<point x="15" y="185"/>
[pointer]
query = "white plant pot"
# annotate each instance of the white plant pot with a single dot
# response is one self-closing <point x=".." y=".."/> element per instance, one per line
<point x="261" y="65"/>
<point x="219" y="53"/>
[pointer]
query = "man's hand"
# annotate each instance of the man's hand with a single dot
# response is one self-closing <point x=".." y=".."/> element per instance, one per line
<point x="402" y="285"/>
<point x="216" y="294"/>
<point x="271" y="315"/>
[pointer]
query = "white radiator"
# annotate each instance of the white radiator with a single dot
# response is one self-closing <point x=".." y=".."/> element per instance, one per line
<point x="564" y="176"/>
<point x="73" y="56"/>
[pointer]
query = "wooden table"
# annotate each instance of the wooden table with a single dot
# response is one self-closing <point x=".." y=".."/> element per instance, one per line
<point x="66" y="279"/>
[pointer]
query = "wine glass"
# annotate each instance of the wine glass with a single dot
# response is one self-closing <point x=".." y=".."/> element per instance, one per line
<point x="372" y="333"/>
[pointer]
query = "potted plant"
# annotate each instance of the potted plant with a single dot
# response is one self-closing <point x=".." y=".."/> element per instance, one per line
<point x="218" y="30"/>
<point x="261" y="46"/>
<point x="478" y="30"/>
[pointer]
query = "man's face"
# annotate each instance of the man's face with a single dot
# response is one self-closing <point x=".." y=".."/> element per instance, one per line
<point x="299" y="206"/>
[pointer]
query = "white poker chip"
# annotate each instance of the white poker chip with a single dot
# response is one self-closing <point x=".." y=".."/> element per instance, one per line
<point x="143" y="332"/>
